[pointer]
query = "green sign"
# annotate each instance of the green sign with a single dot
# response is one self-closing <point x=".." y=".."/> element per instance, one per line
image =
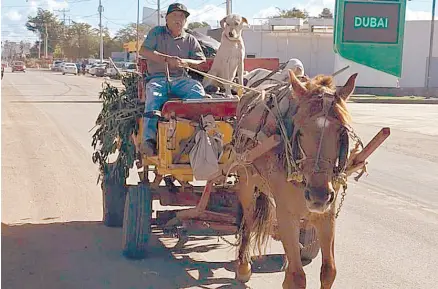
<point x="371" y="33"/>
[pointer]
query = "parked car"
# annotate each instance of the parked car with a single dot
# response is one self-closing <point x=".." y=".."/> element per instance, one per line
<point x="18" y="66"/>
<point x="57" y="65"/>
<point x="93" y="70"/>
<point x="69" y="68"/>
<point x="130" y="67"/>
<point x="111" y="71"/>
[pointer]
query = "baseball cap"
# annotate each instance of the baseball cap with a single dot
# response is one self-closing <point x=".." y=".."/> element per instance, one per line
<point x="177" y="7"/>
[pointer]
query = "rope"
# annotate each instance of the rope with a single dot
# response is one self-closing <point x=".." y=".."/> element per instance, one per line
<point x="223" y="81"/>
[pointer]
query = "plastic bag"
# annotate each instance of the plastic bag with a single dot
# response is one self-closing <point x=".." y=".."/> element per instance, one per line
<point x="205" y="154"/>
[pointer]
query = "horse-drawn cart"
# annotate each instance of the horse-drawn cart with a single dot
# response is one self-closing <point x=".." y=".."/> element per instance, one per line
<point x="216" y="206"/>
<point x="227" y="200"/>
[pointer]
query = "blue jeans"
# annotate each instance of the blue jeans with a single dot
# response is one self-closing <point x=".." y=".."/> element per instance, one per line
<point x="157" y="94"/>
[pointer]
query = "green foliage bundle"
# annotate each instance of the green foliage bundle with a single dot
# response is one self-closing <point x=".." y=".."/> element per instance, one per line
<point x="116" y="123"/>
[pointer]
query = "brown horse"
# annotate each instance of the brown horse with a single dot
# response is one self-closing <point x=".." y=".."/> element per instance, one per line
<point x="302" y="174"/>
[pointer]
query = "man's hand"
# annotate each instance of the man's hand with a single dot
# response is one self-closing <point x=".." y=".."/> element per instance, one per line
<point x="177" y="62"/>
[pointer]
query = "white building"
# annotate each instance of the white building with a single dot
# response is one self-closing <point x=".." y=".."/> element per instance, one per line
<point x="312" y="42"/>
<point x="150" y="16"/>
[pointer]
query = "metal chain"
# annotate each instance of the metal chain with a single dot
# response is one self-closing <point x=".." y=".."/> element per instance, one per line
<point x="343" y="194"/>
<point x="222" y="238"/>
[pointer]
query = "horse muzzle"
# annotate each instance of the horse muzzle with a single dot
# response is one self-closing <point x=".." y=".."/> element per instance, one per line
<point x="318" y="200"/>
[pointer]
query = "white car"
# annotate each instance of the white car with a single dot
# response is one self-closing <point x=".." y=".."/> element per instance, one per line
<point x="95" y="67"/>
<point x="57" y="65"/>
<point x="112" y="71"/>
<point x="70" y="68"/>
<point x="130" y="67"/>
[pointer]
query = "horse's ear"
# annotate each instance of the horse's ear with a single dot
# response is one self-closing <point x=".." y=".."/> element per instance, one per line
<point x="297" y="86"/>
<point x="347" y="90"/>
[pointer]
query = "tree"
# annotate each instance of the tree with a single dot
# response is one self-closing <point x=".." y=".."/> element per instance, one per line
<point x="292" y="13"/>
<point x="326" y="13"/>
<point x="129" y="33"/>
<point x="79" y="40"/>
<point x="194" y="25"/>
<point x="46" y="22"/>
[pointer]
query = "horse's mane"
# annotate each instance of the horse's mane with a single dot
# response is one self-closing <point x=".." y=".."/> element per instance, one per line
<point x="322" y="83"/>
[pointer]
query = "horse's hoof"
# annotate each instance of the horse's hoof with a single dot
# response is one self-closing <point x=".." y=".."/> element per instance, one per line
<point x="243" y="273"/>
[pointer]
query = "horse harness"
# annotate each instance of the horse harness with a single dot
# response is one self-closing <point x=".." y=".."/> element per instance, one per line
<point x="294" y="155"/>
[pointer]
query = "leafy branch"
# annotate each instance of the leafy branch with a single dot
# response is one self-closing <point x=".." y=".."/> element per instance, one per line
<point x="116" y="123"/>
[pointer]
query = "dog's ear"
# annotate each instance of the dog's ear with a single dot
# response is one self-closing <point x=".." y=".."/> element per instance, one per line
<point x="222" y="23"/>
<point x="245" y="22"/>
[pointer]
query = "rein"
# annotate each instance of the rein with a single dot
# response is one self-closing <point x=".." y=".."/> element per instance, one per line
<point x="270" y="100"/>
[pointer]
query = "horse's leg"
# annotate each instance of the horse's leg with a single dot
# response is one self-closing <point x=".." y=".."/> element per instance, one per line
<point x="245" y="194"/>
<point x="289" y="230"/>
<point x="326" y="234"/>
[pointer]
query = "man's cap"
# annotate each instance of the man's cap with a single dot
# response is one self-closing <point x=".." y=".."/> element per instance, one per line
<point x="177" y="7"/>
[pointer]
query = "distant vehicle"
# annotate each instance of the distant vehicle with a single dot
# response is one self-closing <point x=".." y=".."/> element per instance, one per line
<point x="93" y="70"/>
<point x="18" y="66"/>
<point x="57" y="65"/>
<point x="69" y="68"/>
<point x="112" y="71"/>
<point x="130" y="67"/>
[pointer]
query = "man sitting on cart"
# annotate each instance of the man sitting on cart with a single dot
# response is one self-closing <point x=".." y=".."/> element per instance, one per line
<point x="169" y="45"/>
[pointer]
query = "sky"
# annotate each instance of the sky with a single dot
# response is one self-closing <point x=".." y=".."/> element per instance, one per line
<point x="118" y="13"/>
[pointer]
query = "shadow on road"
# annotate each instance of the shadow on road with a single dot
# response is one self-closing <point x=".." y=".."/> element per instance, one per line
<point x="88" y="255"/>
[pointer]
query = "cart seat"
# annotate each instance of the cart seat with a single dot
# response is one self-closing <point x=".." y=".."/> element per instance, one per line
<point x="192" y="109"/>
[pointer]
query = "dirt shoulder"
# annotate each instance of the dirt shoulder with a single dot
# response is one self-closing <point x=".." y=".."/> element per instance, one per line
<point x="52" y="235"/>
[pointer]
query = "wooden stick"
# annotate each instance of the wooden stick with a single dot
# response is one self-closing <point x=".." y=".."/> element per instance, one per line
<point x="378" y="139"/>
<point x="263" y="147"/>
<point x="252" y="155"/>
<point x="200" y="208"/>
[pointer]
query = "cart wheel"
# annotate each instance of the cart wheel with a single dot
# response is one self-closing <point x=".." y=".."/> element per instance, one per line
<point x="113" y="195"/>
<point x="137" y="221"/>
<point x="309" y="240"/>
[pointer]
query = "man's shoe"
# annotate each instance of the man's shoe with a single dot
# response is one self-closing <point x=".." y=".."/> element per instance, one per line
<point x="149" y="148"/>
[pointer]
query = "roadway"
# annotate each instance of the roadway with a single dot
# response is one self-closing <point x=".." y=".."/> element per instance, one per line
<point x="387" y="232"/>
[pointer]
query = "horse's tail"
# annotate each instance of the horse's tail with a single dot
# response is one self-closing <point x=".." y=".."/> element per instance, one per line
<point x="263" y="221"/>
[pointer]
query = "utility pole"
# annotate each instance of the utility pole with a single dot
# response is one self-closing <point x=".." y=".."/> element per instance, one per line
<point x="46" y="38"/>
<point x="429" y="61"/>
<point x="39" y="49"/>
<point x="159" y="12"/>
<point x="65" y="24"/>
<point x="229" y="7"/>
<point x="100" y="9"/>
<point x="63" y="12"/>
<point x="138" y="32"/>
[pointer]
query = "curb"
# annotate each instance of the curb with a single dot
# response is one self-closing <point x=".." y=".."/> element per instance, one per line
<point x="395" y="101"/>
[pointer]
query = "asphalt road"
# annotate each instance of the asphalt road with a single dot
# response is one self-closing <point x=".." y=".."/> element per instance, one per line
<point x="52" y="238"/>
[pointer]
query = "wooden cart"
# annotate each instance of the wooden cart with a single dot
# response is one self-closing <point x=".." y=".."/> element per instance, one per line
<point x="215" y="206"/>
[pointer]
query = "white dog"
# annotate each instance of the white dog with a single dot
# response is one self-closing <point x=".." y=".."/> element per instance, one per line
<point x="229" y="58"/>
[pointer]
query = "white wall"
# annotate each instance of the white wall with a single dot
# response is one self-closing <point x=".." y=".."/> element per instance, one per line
<point x="367" y="77"/>
<point x="416" y="51"/>
<point x="316" y="53"/>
